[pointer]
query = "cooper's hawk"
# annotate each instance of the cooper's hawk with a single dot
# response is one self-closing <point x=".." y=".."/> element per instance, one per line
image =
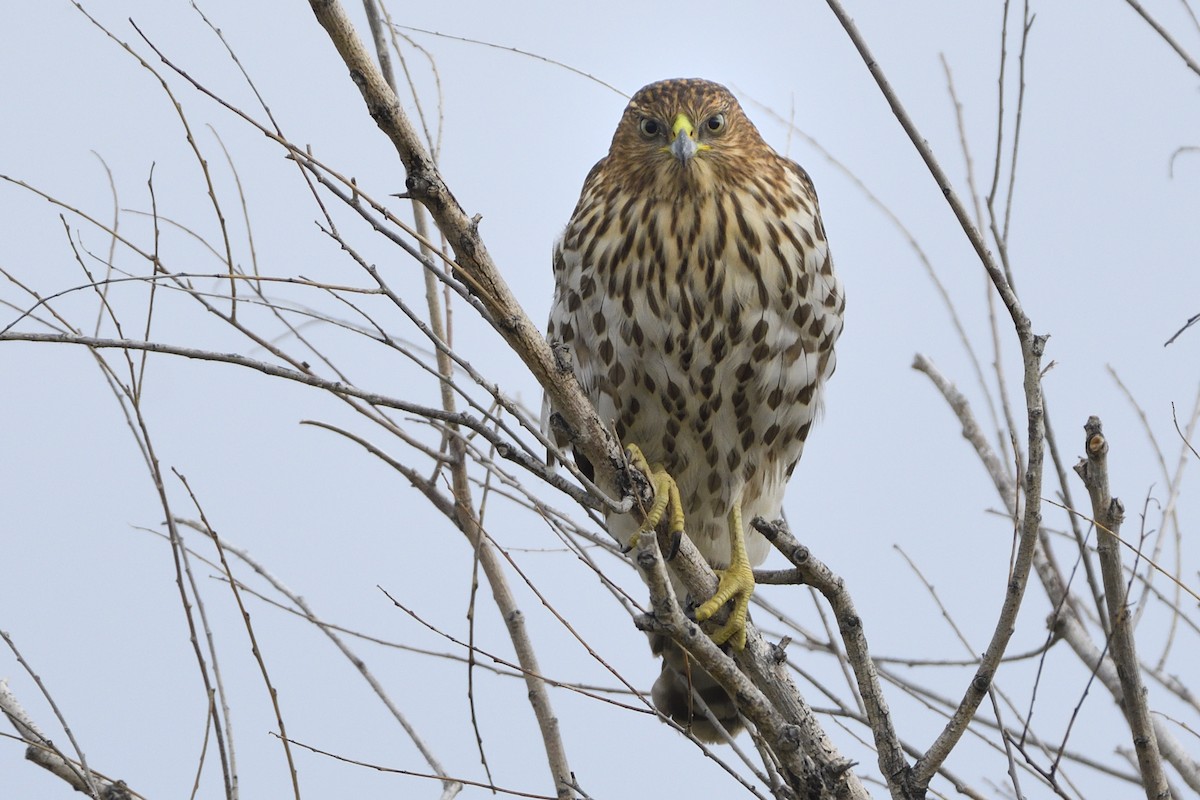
<point x="695" y="290"/>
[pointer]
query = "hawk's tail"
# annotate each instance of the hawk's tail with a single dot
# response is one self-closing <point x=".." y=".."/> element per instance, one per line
<point x="681" y="681"/>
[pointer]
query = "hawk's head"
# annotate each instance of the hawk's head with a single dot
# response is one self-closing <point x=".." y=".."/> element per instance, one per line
<point x="684" y="135"/>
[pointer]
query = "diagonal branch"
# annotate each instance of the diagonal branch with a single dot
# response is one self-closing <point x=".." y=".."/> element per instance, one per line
<point x="812" y="572"/>
<point x="473" y="262"/>
<point x="478" y="270"/>
<point x="1165" y="34"/>
<point x="1032" y="348"/>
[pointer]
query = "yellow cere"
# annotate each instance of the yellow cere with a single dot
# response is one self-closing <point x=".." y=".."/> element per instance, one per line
<point x="682" y="123"/>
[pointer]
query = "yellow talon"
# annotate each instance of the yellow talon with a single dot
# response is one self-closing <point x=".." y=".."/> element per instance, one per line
<point x="737" y="584"/>
<point x="737" y="580"/>
<point x="666" y="496"/>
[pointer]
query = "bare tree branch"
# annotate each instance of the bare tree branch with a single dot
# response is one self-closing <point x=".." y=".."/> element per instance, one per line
<point x="1165" y="34"/>
<point x="45" y="754"/>
<point x="1032" y="347"/>
<point x="1109" y="513"/>
<point x="892" y="763"/>
<point x="472" y="260"/>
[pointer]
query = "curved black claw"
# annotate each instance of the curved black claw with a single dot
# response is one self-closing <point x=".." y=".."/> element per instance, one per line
<point x="675" y="539"/>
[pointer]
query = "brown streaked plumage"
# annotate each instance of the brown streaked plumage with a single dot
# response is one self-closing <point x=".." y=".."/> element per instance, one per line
<point x="694" y="287"/>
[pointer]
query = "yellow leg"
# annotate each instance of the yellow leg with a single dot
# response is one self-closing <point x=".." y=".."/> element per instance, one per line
<point x="737" y="584"/>
<point x="666" y="496"/>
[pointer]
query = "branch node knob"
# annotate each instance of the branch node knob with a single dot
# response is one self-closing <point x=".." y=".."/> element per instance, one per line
<point x="645" y="559"/>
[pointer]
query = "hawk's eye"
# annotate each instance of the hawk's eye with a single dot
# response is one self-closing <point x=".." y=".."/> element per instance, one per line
<point x="649" y="127"/>
<point x="715" y="123"/>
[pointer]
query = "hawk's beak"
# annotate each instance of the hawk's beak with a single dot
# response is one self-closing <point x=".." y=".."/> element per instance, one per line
<point x="684" y="147"/>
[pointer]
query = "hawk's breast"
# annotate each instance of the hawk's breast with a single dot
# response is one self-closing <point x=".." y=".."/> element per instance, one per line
<point x="702" y="329"/>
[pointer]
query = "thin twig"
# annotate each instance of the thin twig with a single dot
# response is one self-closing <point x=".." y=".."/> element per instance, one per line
<point x="1166" y="36"/>
<point x="519" y="52"/>
<point x="392" y="770"/>
<point x="272" y="693"/>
